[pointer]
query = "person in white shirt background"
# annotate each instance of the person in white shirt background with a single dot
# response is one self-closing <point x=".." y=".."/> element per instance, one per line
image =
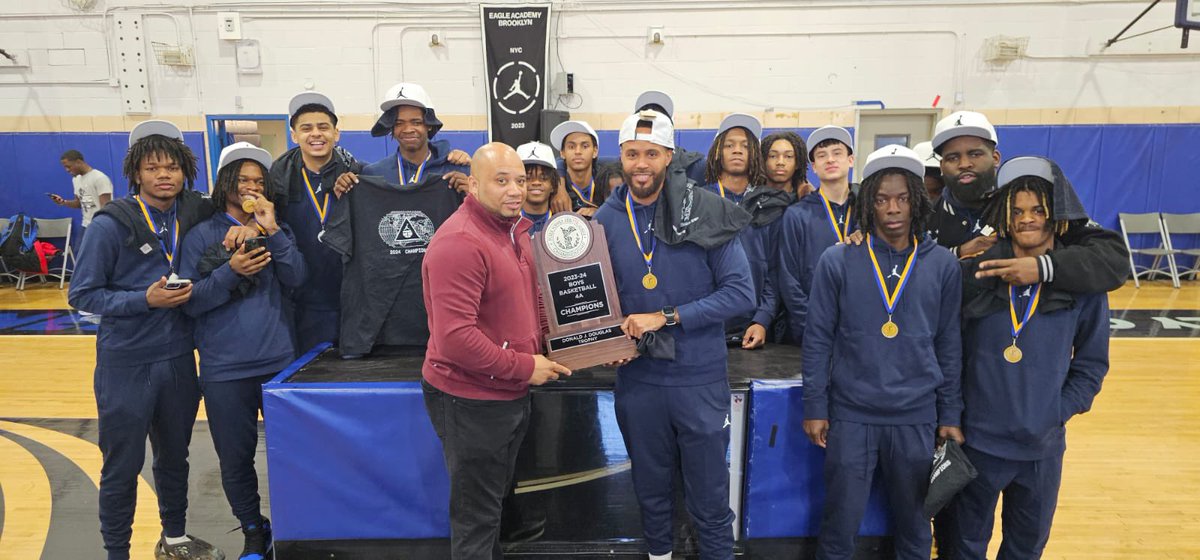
<point x="93" y="189"/>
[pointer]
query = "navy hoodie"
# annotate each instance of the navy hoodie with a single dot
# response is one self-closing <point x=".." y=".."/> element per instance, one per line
<point x="851" y="372"/>
<point x="118" y="260"/>
<point x="1019" y="411"/>
<point x="761" y="244"/>
<point x="706" y="287"/>
<point x="437" y="165"/>
<point x="805" y="233"/>
<point x="241" y="336"/>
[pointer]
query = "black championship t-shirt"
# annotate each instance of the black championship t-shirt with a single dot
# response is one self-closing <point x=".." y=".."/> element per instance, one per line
<point x="382" y="233"/>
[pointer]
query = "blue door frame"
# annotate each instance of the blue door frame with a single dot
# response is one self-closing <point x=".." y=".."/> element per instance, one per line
<point x="218" y="138"/>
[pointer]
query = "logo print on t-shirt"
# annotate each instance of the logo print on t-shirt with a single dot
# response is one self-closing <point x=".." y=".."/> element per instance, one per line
<point x="406" y="229"/>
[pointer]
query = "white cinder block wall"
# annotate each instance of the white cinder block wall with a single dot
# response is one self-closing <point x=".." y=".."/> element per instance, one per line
<point x="751" y="55"/>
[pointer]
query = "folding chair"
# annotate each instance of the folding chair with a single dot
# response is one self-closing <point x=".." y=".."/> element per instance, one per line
<point x="53" y="229"/>
<point x="1150" y="223"/>
<point x="5" y="272"/>
<point x="1182" y="224"/>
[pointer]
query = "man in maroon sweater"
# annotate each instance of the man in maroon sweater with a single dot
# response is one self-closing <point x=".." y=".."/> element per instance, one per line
<point x="485" y="346"/>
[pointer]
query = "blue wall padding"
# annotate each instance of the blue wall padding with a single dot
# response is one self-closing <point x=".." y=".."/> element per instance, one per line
<point x="330" y="479"/>
<point x="31" y="168"/>
<point x="785" y="488"/>
<point x="1116" y="168"/>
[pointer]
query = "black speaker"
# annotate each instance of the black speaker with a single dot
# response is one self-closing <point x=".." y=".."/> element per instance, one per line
<point x="549" y="119"/>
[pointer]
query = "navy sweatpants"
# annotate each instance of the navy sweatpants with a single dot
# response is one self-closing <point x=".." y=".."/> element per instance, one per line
<point x="233" y="408"/>
<point x="314" y="326"/>
<point x="158" y="400"/>
<point x="903" y="456"/>
<point x="666" y="428"/>
<point x="1030" y="490"/>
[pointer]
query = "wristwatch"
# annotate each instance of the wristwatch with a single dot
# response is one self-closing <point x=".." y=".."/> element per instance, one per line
<point x="672" y="317"/>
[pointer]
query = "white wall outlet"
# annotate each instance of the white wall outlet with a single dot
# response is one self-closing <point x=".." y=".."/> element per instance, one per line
<point x="229" y="26"/>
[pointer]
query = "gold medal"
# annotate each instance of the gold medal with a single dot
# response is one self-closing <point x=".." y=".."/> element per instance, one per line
<point x="1012" y="354"/>
<point x="649" y="281"/>
<point x="889" y="329"/>
<point x="248" y="206"/>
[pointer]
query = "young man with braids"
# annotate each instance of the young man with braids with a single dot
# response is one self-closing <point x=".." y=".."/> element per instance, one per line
<point x="1034" y="357"/>
<point x="242" y="333"/>
<point x="785" y="158"/>
<point x="882" y="359"/>
<point x="145" y="379"/>
<point x="734" y="170"/>
<point x="815" y="223"/>
<point x="1090" y="259"/>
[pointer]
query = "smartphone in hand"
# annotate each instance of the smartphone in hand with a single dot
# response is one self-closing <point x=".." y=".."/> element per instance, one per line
<point x="177" y="283"/>
<point x="253" y="244"/>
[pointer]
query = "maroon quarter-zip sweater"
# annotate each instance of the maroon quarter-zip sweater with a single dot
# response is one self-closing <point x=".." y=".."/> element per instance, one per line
<point x="482" y="298"/>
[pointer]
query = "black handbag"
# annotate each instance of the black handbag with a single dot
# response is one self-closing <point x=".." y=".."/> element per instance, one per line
<point x="952" y="471"/>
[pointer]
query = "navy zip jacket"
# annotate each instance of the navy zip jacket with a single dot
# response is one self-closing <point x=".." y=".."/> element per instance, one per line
<point x="295" y="208"/>
<point x="853" y="373"/>
<point x="804" y="234"/>
<point x="241" y="336"/>
<point x="760" y="241"/>
<point x="1018" y="411"/>
<point x="118" y="260"/>
<point x="437" y="165"/>
<point x="706" y="287"/>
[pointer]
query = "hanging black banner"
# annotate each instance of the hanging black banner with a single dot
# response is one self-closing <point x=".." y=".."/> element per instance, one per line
<point x="516" y="39"/>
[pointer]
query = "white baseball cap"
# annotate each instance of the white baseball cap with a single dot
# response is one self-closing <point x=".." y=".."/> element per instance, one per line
<point x="405" y="94"/>
<point x="309" y="98"/>
<point x="748" y="122"/>
<point x="537" y="153"/>
<point x="655" y="97"/>
<point x="924" y="151"/>
<point x="962" y="123"/>
<point x="662" y="132"/>
<point x="243" y="150"/>
<point x="150" y="128"/>
<point x="1024" y="167"/>
<point x="894" y="155"/>
<point x="829" y="132"/>
<point x="565" y="129"/>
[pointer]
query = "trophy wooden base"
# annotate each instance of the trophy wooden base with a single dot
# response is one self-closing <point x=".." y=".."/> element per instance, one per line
<point x="591" y="348"/>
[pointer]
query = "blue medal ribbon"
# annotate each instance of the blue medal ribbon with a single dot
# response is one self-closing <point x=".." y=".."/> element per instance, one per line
<point x="890" y="299"/>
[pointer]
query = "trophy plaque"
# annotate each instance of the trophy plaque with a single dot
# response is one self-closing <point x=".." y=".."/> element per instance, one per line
<point x="579" y="294"/>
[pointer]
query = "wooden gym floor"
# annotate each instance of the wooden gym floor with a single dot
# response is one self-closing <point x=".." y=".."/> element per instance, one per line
<point x="1131" y="481"/>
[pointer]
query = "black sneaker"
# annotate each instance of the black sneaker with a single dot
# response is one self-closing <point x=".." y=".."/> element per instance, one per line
<point x="258" y="541"/>
<point x="193" y="549"/>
